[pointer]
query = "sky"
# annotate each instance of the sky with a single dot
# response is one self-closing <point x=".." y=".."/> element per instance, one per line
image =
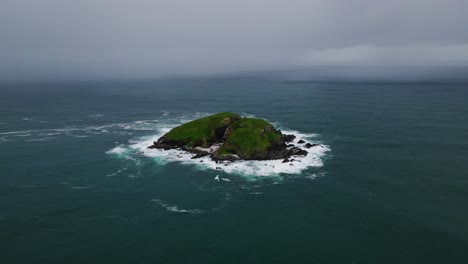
<point x="105" y="39"/>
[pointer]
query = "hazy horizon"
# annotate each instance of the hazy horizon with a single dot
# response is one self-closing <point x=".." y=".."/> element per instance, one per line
<point x="105" y="40"/>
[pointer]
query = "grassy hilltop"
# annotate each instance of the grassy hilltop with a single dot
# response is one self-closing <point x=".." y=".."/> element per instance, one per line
<point x="203" y="131"/>
<point x="249" y="137"/>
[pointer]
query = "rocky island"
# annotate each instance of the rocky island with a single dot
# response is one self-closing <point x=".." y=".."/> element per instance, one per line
<point x="230" y="137"/>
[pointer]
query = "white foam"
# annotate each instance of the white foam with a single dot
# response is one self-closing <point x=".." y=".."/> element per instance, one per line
<point x="22" y="135"/>
<point x="117" y="172"/>
<point x="175" y="209"/>
<point x="79" y="136"/>
<point x="80" y="187"/>
<point x="32" y="120"/>
<point x="117" y="150"/>
<point x="40" y="139"/>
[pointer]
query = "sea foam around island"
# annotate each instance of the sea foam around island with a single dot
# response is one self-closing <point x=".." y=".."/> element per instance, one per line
<point x="138" y="148"/>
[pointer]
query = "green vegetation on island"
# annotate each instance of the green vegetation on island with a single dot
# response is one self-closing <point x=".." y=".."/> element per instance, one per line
<point x="227" y="136"/>
<point x="203" y="131"/>
<point x="251" y="137"/>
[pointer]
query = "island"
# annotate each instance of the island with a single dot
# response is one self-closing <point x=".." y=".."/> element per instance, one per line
<point x="229" y="137"/>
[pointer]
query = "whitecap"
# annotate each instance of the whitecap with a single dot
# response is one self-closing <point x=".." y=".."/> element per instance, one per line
<point x="117" y="172"/>
<point x="80" y="187"/>
<point x="32" y="120"/>
<point x="40" y="139"/>
<point x="117" y="150"/>
<point x="22" y="135"/>
<point x="175" y="209"/>
<point x="311" y="177"/>
<point x="79" y="136"/>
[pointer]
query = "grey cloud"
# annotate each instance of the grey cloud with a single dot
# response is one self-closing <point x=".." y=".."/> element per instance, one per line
<point x="141" y="38"/>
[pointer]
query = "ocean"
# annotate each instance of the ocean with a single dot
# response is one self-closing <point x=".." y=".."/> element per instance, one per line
<point x="389" y="185"/>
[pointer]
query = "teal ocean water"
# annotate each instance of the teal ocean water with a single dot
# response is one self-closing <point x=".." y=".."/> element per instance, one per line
<point x="78" y="186"/>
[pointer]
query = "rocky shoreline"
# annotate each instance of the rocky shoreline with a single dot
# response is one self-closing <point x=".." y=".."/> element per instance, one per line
<point x="282" y="151"/>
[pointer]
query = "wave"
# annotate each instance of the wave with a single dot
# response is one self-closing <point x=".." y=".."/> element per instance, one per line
<point x="117" y="172"/>
<point x="81" y="131"/>
<point x="40" y="139"/>
<point x="32" y="120"/>
<point x="81" y="187"/>
<point x="175" y="209"/>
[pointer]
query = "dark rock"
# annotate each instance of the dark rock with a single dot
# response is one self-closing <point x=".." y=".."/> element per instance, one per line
<point x="297" y="152"/>
<point x="218" y="168"/>
<point x="200" y="154"/>
<point x="162" y="143"/>
<point x="308" y="145"/>
<point x="290" y="145"/>
<point x="220" y="158"/>
<point x="276" y="153"/>
<point x="301" y="141"/>
<point x="285" y="161"/>
<point x="288" y="138"/>
<point x="220" y="133"/>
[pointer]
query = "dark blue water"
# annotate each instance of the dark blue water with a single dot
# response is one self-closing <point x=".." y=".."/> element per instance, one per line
<point x="392" y="189"/>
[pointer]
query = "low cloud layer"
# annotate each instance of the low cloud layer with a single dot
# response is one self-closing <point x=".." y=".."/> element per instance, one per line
<point x="144" y="39"/>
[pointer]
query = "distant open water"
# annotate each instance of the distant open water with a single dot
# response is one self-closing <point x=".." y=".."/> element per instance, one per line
<point x="389" y="185"/>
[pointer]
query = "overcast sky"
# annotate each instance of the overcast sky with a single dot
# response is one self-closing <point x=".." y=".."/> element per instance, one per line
<point x="141" y="38"/>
